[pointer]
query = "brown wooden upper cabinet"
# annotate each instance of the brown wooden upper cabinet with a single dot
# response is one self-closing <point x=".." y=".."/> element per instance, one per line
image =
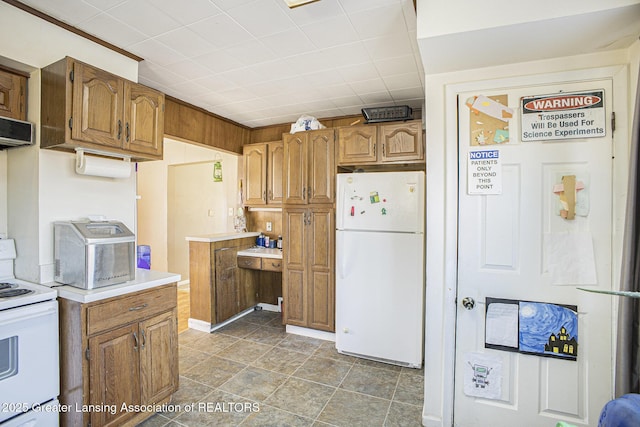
<point x="13" y="88"/>
<point x="381" y="144"/>
<point x="85" y="107"/>
<point x="263" y="173"/>
<point x="309" y="167"/>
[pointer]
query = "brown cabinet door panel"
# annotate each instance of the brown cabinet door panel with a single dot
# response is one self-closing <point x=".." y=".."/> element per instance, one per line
<point x="401" y="142"/>
<point x="276" y="166"/>
<point x="295" y="298"/>
<point x="295" y="168"/>
<point x="321" y="178"/>
<point x="114" y="373"/>
<point x="144" y="119"/>
<point x="357" y="144"/>
<point x="321" y="301"/>
<point x="255" y="173"/>
<point x="226" y="283"/>
<point x="13" y="95"/>
<point x="158" y="357"/>
<point x="97" y="106"/>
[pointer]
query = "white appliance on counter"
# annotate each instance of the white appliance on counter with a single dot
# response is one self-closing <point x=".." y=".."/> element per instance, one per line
<point x="380" y="266"/>
<point x="29" y="355"/>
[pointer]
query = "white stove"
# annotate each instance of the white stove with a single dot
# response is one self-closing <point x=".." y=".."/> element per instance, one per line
<point x="29" y="355"/>
<point x="16" y="293"/>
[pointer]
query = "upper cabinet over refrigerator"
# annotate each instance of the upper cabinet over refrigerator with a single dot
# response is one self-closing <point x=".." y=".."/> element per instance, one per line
<point x="381" y="201"/>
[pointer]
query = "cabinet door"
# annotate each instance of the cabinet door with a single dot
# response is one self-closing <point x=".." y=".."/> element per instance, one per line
<point x="114" y="372"/>
<point x="357" y="145"/>
<point x="294" y="289"/>
<point x="401" y="142"/>
<point x="12" y="95"/>
<point x="274" y="177"/>
<point x="295" y="168"/>
<point x="321" y="172"/>
<point x="97" y="106"/>
<point x="255" y="174"/>
<point x="158" y="357"/>
<point x="226" y="283"/>
<point x="321" y="293"/>
<point x="144" y="119"/>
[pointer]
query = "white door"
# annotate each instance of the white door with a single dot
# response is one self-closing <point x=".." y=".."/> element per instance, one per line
<point x="516" y="246"/>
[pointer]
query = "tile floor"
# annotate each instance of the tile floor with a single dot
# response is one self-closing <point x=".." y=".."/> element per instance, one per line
<point x="252" y="373"/>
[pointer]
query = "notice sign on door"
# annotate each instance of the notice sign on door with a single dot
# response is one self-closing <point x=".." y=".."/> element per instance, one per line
<point x="484" y="172"/>
<point x="564" y="115"/>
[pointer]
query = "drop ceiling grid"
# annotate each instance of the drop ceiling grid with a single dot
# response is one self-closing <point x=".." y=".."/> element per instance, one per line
<point x="327" y="58"/>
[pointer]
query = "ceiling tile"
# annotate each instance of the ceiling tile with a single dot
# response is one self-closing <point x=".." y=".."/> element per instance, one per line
<point x="402" y="81"/>
<point x="185" y="41"/>
<point x="252" y="52"/>
<point x="260" y="17"/>
<point x="196" y="10"/>
<point x="396" y="65"/>
<point x="368" y="86"/>
<point x="289" y="42"/>
<point x="143" y="16"/>
<point x="378" y="22"/>
<point x="313" y="12"/>
<point x="156" y="52"/>
<point x="98" y="4"/>
<point x="330" y="32"/>
<point x="221" y="31"/>
<point x="189" y="69"/>
<point x="218" y="61"/>
<point x="69" y="12"/>
<point x="351" y="6"/>
<point x="388" y="46"/>
<point x="115" y="32"/>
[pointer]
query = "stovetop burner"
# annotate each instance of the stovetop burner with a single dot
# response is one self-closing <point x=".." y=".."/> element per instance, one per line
<point x="5" y="285"/>
<point x="8" y="293"/>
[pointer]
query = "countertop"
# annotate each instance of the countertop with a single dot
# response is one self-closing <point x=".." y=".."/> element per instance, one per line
<point x="145" y="279"/>
<point x="261" y="252"/>
<point x="221" y="237"/>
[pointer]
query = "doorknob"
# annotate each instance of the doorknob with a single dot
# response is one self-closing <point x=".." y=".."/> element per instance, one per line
<point x="468" y="303"/>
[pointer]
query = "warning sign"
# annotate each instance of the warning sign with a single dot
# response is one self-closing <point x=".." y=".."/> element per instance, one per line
<point x="484" y="172"/>
<point x="564" y="115"/>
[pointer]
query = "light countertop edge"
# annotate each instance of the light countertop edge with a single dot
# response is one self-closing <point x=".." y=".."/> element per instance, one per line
<point x="259" y="252"/>
<point x="210" y="238"/>
<point x="145" y="279"/>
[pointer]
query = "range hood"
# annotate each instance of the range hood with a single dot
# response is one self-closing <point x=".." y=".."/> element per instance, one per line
<point x="15" y="133"/>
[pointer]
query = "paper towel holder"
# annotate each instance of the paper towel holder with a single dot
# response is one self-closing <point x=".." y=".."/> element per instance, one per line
<point x="80" y="156"/>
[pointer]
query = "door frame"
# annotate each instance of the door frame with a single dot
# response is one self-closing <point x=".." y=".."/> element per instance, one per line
<point x="442" y="215"/>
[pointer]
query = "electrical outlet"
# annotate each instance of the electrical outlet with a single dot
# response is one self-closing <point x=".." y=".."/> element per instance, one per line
<point x="269" y="226"/>
<point x="230" y="211"/>
<point x="210" y="212"/>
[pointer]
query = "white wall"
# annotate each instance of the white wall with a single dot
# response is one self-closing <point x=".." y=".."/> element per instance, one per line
<point x="495" y="13"/>
<point x="442" y="169"/>
<point x="41" y="186"/>
<point x="154" y="228"/>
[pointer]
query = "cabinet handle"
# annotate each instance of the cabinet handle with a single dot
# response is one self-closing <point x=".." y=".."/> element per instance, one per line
<point x="140" y="307"/>
<point x="270" y="195"/>
<point x="135" y="338"/>
<point x="374" y="150"/>
<point x="127" y="132"/>
<point x="119" y="129"/>
<point x="144" y="339"/>
<point x="264" y="195"/>
<point x="384" y="150"/>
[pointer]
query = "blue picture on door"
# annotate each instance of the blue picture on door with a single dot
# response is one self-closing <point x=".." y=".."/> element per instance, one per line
<point x="548" y="329"/>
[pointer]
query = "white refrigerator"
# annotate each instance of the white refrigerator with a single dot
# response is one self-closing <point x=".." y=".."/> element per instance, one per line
<point x="380" y="266"/>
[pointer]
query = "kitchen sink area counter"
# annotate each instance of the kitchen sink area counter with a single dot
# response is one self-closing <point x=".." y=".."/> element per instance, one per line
<point x="261" y="252"/>
<point x="221" y="237"/>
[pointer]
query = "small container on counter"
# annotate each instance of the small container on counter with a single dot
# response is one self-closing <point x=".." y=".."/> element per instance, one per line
<point x="260" y="240"/>
<point x="279" y="242"/>
<point x="272" y="244"/>
<point x="266" y="241"/>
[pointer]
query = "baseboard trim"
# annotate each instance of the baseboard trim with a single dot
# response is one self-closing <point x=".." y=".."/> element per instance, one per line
<point x="311" y="333"/>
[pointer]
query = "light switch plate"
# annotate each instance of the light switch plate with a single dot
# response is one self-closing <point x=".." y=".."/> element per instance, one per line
<point x="269" y="226"/>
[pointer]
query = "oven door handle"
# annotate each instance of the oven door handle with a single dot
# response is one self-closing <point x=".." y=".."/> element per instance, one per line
<point x="27" y="316"/>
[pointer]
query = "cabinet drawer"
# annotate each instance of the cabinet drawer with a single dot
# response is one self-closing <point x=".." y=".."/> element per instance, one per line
<point x="271" y="264"/>
<point x="131" y="308"/>
<point x="249" y="262"/>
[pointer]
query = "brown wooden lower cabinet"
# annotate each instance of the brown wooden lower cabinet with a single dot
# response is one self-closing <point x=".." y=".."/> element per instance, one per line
<point x="218" y="288"/>
<point x="118" y="351"/>
<point x="308" y="277"/>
